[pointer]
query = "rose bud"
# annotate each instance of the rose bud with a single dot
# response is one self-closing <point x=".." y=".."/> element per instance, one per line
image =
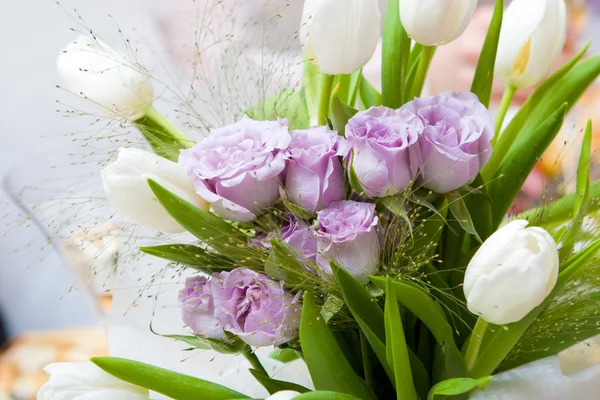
<point x="532" y="38"/>
<point x="348" y="233"/>
<point x="294" y="232"/>
<point x="340" y="36"/>
<point x="315" y="177"/>
<point x="84" y="380"/>
<point x="383" y="151"/>
<point x="455" y="135"/>
<point x="239" y="168"/>
<point x="92" y="69"/>
<point x="197" y="308"/>
<point x="125" y="184"/>
<point x="255" y="308"/>
<point x="512" y="273"/>
<point x="436" y="22"/>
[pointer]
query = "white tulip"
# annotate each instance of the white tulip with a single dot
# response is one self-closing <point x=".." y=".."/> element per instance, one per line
<point x="283" y="395"/>
<point x="531" y="40"/>
<point x="79" y="381"/>
<point x="436" y="22"/>
<point x="125" y="184"/>
<point x="92" y="69"/>
<point x="512" y="273"/>
<point x="340" y="36"/>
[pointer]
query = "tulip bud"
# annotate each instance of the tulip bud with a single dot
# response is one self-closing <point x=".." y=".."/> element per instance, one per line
<point x="436" y="22"/>
<point x="532" y="37"/>
<point x="511" y="273"/>
<point x="340" y="36"/>
<point x="92" y="69"/>
<point x="125" y="184"/>
<point x="78" y="381"/>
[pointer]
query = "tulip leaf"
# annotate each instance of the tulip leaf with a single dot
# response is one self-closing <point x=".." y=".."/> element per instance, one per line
<point x="192" y="256"/>
<point x="287" y="104"/>
<point x="395" y="53"/>
<point x="327" y="364"/>
<point x="519" y="163"/>
<point x="169" y="383"/>
<point x="284" y="355"/>
<point x="368" y="95"/>
<point x="209" y="228"/>
<point x="484" y="74"/>
<point x="273" y="385"/>
<point x="458" y="208"/>
<point x="340" y="112"/>
<point x="283" y="264"/>
<point x="325" y="395"/>
<point x="396" y="348"/>
<point x="457" y="386"/>
<point x="166" y="139"/>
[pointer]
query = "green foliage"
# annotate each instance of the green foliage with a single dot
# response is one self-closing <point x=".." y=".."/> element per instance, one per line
<point x="340" y="112"/>
<point x="172" y="384"/>
<point x="287" y="104"/>
<point x="284" y="355"/>
<point x="325" y="395"/>
<point x="457" y="386"/>
<point x="273" y="385"/>
<point x="459" y="210"/>
<point x="395" y="54"/>
<point x="368" y="96"/>
<point x="192" y="256"/>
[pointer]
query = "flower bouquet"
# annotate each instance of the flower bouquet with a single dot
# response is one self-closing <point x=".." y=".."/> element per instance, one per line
<point x="365" y="233"/>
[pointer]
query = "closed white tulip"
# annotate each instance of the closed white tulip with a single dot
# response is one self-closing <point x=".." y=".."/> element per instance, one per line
<point x="340" y="36"/>
<point x="532" y="37"/>
<point x="512" y="273"/>
<point x="436" y="22"/>
<point x="283" y="395"/>
<point x="85" y="381"/>
<point x="92" y="69"/>
<point x="125" y="184"/>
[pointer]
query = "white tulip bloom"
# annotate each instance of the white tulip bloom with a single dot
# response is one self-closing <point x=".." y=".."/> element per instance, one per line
<point x="340" y="36"/>
<point x="283" y="395"/>
<point x="532" y="37"/>
<point x="92" y="69"/>
<point x="512" y="273"/>
<point x="79" y="381"/>
<point x="125" y="184"/>
<point x="436" y="22"/>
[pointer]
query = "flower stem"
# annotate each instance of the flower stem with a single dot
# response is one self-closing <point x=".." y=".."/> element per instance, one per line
<point x="253" y="360"/>
<point x="507" y="97"/>
<point x="419" y="81"/>
<point x="164" y="137"/>
<point x="326" y="86"/>
<point x="475" y="343"/>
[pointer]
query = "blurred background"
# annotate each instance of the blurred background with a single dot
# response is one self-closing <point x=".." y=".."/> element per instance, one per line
<point x="69" y="271"/>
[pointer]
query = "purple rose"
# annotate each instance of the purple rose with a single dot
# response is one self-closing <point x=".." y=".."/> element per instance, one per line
<point x="315" y="176"/>
<point x="383" y="151"/>
<point x="294" y="232"/>
<point x="348" y="232"/>
<point x="239" y="168"/>
<point x="455" y="134"/>
<point x="197" y="308"/>
<point x="255" y="308"/>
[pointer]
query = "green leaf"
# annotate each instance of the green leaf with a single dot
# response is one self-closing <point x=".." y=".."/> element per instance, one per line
<point x="457" y="386"/>
<point x="287" y="104"/>
<point x="284" y="355"/>
<point x="353" y="180"/>
<point x="209" y="228"/>
<point x="273" y="386"/>
<point x="355" y="79"/>
<point x="283" y="263"/>
<point x="194" y="341"/>
<point x="169" y="383"/>
<point x="484" y="74"/>
<point x="396" y="350"/>
<point x="310" y="89"/>
<point x="193" y="256"/>
<point x="368" y="95"/>
<point x="331" y="307"/>
<point x="479" y="204"/>
<point x="396" y="205"/>
<point x="395" y="53"/>
<point x="327" y="364"/>
<point x="340" y="112"/>
<point x="458" y="208"/>
<point x="324" y="395"/>
<point x="519" y="163"/>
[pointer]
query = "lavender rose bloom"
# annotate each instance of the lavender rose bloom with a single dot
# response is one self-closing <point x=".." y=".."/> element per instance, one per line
<point x="197" y="308"/>
<point x="347" y="232"/>
<point x="255" y="308"/>
<point x="455" y="134"/>
<point x="239" y="168"/>
<point x="295" y="232"/>
<point x="383" y="151"/>
<point x="315" y="176"/>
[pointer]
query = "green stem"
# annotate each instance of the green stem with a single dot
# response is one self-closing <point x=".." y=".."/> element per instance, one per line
<point x="475" y="343"/>
<point x="507" y="98"/>
<point x="344" y="92"/>
<point x="424" y="62"/>
<point x="326" y="87"/>
<point x="253" y="360"/>
<point x="164" y="137"/>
